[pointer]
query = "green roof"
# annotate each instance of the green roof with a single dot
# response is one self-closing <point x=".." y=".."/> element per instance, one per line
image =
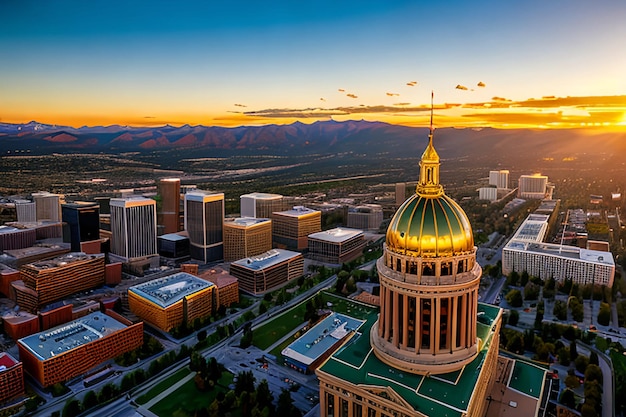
<point x="443" y="395"/>
<point x="527" y="379"/>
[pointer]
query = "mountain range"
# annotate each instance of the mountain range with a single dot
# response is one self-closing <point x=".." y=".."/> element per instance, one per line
<point x="326" y="137"/>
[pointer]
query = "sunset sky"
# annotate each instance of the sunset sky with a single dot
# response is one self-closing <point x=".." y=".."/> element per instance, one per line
<point x="533" y="63"/>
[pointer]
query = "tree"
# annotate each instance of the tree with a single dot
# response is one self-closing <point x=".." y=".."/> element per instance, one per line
<point x="264" y="396"/>
<point x="90" y="400"/>
<point x="593" y="358"/>
<point x="72" y="408"/>
<point x="573" y="352"/>
<point x="514" y="298"/>
<point x="531" y="291"/>
<point x="593" y="373"/>
<point x="572" y="382"/>
<point x="285" y="405"/>
<point x="524" y="279"/>
<point x="568" y="398"/>
<point x="604" y="315"/>
<point x="513" y="318"/>
<point x="245" y="382"/>
<point x="560" y="310"/>
<point x="564" y="356"/>
<point x="581" y="363"/>
<point x="513" y="278"/>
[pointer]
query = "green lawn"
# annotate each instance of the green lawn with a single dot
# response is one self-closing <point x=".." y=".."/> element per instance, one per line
<point x="276" y="328"/>
<point x="186" y="400"/>
<point x="162" y="386"/>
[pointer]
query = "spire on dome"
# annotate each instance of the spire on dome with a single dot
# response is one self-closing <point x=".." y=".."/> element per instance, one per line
<point x="428" y="184"/>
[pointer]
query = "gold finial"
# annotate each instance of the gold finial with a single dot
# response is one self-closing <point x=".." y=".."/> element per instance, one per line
<point x="428" y="184"/>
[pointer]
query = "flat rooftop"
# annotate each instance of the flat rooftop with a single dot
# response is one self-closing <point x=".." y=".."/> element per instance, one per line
<point x="173" y="237"/>
<point x="321" y="337"/>
<point x="564" y="251"/>
<point x="170" y="289"/>
<point x="64" y="260"/>
<point x="267" y="259"/>
<point x="245" y="221"/>
<point x="337" y="235"/>
<point x="533" y="229"/>
<point x="262" y="196"/>
<point x="71" y="335"/>
<point x="527" y="379"/>
<point x="443" y="395"/>
<point x="297" y="211"/>
<point x="6" y="360"/>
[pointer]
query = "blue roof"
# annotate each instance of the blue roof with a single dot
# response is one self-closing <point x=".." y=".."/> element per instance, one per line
<point x="170" y="289"/>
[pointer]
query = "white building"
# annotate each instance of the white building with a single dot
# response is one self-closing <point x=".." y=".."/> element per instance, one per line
<point x="48" y="206"/>
<point x="260" y="205"/>
<point x="365" y="217"/>
<point x="133" y="227"/>
<point x="533" y="186"/>
<point x="488" y="193"/>
<point x="499" y="178"/>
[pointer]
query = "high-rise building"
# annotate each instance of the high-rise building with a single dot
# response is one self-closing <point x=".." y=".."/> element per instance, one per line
<point x="532" y="186"/>
<point x="488" y="193"/>
<point x="133" y="227"/>
<point x="64" y="352"/>
<point x="260" y="205"/>
<point x="291" y="228"/>
<point x="500" y="179"/>
<point x="400" y="193"/>
<point x="365" y="217"/>
<point x="435" y="348"/>
<point x="48" y="206"/>
<point x="26" y="211"/>
<point x="169" y="213"/>
<point x="82" y="223"/>
<point x="268" y="271"/>
<point x="204" y="222"/>
<point x="246" y="236"/>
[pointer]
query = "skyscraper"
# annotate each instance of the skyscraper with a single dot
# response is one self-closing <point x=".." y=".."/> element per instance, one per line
<point x="499" y="178"/>
<point x="133" y="227"/>
<point x="48" y="206"/>
<point x="82" y="223"/>
<point x="204" y="222"/>
<point x="532" y="186"/>
<point x="246" y="236"/>
<point x="169" y="213"/>
<point x="260" y="205"/>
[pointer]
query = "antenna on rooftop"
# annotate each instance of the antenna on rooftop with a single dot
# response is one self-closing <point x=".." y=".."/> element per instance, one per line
<point x="432" y="106"/>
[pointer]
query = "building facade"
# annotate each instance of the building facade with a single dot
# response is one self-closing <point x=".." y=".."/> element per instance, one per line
<point x="430" y="327"/>
<point x="48" y="206"/>
<point x="273" y="269"/>
<point x="291" y="228"/>
<point x="170" y="301"/>
<point x="336" y="246"/>
<point x="133" y="227"/>
<point x="260" y="205"/>
<point x="365" y="217"/>
<point x="499" y="179"/>
<point x="82" y="223"/>
<point x="64" y="352"/>
<point x="26" y="211"/>
<point x="169" y="213"/>
<point x="47" y="281"/>
<point x="204" y="222"/>
<point x="488" y="193"/>
<point x="11" y="377"/>
<point x="532" y="186"/>
<point x="246" y="236"/>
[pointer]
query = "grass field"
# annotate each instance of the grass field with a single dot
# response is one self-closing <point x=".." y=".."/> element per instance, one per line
<point x="162" y="386"/>
<point x="187" y="399"/>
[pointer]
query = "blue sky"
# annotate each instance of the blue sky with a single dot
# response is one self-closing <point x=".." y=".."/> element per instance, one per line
<point x="140" y="62"/>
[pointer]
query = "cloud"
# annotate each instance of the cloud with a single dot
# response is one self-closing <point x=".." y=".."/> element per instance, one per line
<point x="412" y="83"/>
<point x="460" y="87"/>
<point x="149" y="117"/>
<point x="322" y="99"/>
<point x="341" y="90"/>
<point x="496" y="98"/>
<point x="240" y="105"/>
<point x="392" y="94"/>
<point x="480" y="84"/>
<point x="352" y="95"/>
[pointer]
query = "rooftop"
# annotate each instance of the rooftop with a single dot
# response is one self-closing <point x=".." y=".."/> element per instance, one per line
<point x="564" y="251"/>
<point x="262" y="196"/>
<point x="336" y="235"/>
<point x="64" y="260"/>
<point x="297" y="211"/>
<point x="70" y="335"/>
<point x="267" y="259"/>
<point x="444" y="395"/>
<point x="245" y="221"/>
<point x="6" y="360"/>
<point x="170" y="289"/>
<point x="173" y="237"/>
<point x="321" y="337"/>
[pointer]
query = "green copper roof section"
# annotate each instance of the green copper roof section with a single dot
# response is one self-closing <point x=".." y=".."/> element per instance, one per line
<point x="527" y="378"/>
<point x="445" y="395"/>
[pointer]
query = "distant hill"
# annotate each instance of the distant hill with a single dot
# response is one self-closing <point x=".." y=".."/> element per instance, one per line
<point x="326" y="137"/>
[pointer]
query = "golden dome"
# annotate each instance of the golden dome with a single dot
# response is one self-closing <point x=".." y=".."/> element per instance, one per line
<point x="430" y="227"/>
<point x="429" y="223"/>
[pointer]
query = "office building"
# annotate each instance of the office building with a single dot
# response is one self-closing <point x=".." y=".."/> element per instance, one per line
<point x="432" y="350"/>
<point x="260" y="205"/>
<point x="170" y="301"/>
<point x="173" y="247"/>
<point x="11" y="377"/>
<point x="67" y="351"/>
<point x="51" y="280"/>
<point x="12" y="237"/>
<point x="246" y="236"/>
<point x="365" y="217"/>
<point x="291" y="228"/>
<point x="26" y="211"/>
<point x="48" y="206"/>
<point x="499" y="179"/>
<point x="336" y="246"/>
<point x="204" y="222"/>
<point x="133" y="227"/>
<point x="532" y="186"/>
<point x="169" y="212"/>
<point x="82" y="223"/>
<point x="400" y="193"/>
<point x="227" y="286"/>
<point x="268" y="271"/>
